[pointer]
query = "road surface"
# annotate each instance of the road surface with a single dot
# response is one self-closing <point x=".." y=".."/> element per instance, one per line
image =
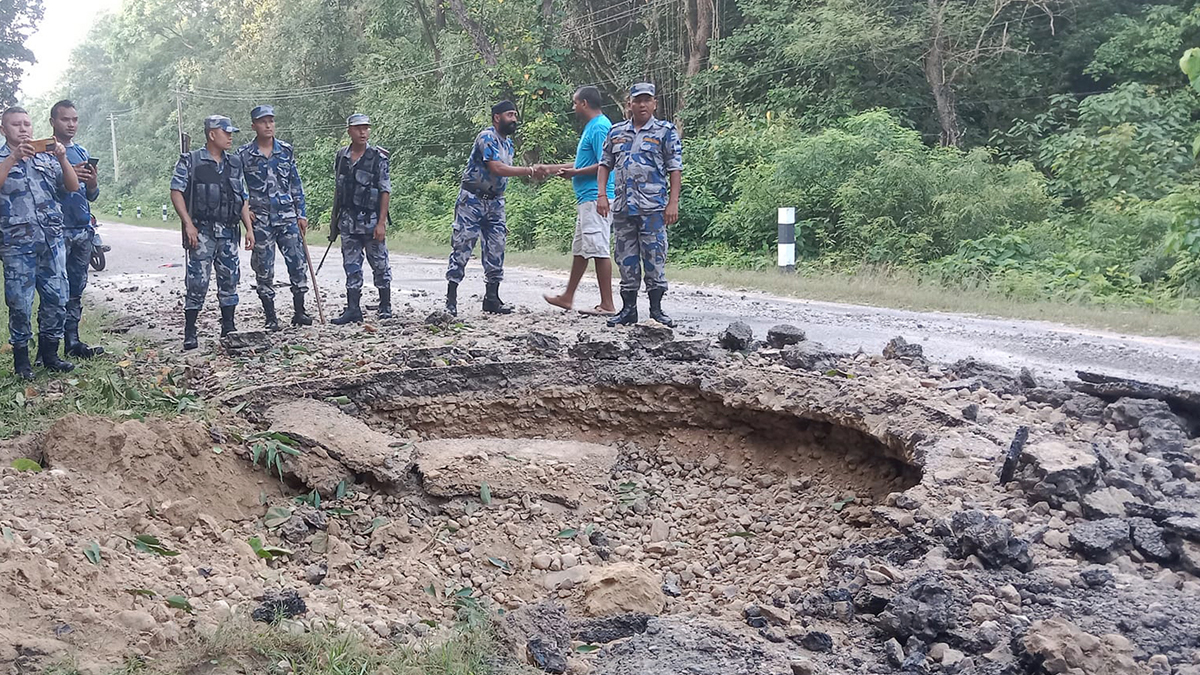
<point x="146" y="266"/>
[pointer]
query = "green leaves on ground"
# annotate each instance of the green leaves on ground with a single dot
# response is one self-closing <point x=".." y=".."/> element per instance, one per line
<point x="271" y="448"/>
<point x="25" y="464"/>
<point x="485" y="494"/>
<point x="148" y="543"/>
<point x="276" y="516"/>
<point x="180" y="602"/>
<point x="266" y="551"/>
<point x="842" y="503"/>
<point x="92" y="553"/>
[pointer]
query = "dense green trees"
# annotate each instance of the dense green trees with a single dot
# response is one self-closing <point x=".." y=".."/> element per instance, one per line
<point x="17" y="21"/>
<point x="1036" y="147"/>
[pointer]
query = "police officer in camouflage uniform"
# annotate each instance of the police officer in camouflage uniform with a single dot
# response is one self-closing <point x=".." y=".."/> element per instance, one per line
<point x="77" y="226"/>
<point x="31" y="240"/>
<point x="646" y="156"/>
<point x="479" y="209"/>
<point x="364" y="186"/>
<point x="207" y="192"/>
<point x="280" y="219"/>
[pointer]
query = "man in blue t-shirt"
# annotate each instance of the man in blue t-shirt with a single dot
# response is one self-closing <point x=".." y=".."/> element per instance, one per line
<point x="592" y="231"/>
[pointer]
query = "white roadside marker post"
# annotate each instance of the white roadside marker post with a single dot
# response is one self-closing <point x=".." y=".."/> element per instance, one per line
<point x="787" y="239"/>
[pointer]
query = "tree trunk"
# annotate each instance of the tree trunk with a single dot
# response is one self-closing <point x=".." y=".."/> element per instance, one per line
<point x="699" y="26"/>
<point x="428" y="32"/>
<point x="439" y="15"/>
<point x="547" y="13"/>
<point x="935" y="75"/>
<point x="478" y="36"/>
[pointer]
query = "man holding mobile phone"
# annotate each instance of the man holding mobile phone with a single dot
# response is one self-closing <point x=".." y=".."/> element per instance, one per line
<point x="77" y="225"/>
<point x="31" y="241"/>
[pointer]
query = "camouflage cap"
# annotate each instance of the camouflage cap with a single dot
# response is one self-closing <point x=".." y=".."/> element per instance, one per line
<point x="358" y="120"/>
<point x="219" y="122"/>
<point x="641" y="88"/>
<point x="262" y="111"/>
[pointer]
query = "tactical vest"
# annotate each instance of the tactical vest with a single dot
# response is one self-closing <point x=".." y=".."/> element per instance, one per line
<point x="357" y="189"/>
<point x="212" y="197"/>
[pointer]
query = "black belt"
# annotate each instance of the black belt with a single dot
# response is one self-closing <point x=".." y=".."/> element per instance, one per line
<point x="490" y="193"/>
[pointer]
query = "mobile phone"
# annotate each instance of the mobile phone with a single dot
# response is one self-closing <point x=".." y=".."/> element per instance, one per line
<point x="93" y="161"/>
<point x="44" y="144"/>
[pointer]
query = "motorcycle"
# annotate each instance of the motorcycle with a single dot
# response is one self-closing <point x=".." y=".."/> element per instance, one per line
<point x="98" y="248"/>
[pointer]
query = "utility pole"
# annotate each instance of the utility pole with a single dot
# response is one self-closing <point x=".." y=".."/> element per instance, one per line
<point x="112" y="125"/>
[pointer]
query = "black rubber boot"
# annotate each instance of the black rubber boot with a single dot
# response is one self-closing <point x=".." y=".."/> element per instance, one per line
<point x="190" y="341"/>
<point x="299" y="316"/>
<point x="227" y="326"/>
<point x="492" y="303"/>
<point x="352" y="313"/>
<point x="73" y="346"/>
<point x="21" y="367"/>
<point x="272" y="321"/>
<point x="628" y="314"/>
<point x="452" y="298"/>
<point x="48" y="353"/>
<point x="385" y="303"/>
<point x="656" y="311"/>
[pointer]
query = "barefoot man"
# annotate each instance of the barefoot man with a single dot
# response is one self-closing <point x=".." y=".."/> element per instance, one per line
<point x="592" y="230"/>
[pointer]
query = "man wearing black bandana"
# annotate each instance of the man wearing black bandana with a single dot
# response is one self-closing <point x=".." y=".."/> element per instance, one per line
<point x="479" y="210"/>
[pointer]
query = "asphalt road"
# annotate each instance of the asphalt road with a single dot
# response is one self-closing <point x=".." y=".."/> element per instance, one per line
<point x="146" y="268"/>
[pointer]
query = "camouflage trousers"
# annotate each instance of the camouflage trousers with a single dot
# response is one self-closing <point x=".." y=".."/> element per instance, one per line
<point x="79" y="256"/>
<point x="476" y="218"/>
<point x="40" y="265"/>
<point x="354" y="246"/>
<point x="211" y="252"/>
<point x="287" y="238"/>
<point x="640" y="242"/>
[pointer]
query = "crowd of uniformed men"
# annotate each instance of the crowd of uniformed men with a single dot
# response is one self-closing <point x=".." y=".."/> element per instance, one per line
<point x="626" y="179"/>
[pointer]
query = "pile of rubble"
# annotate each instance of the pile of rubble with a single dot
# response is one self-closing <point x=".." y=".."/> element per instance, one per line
<point x="635" y="501"/>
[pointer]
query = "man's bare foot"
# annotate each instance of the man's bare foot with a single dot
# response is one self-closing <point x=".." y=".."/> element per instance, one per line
<point x="599" y="310"/>
<point x="558" y="301"/>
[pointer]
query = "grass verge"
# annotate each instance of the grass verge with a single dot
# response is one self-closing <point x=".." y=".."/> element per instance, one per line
<point x="123" y="383"/>
<point x="896" y="290"/>
<point x="237" y="647"/>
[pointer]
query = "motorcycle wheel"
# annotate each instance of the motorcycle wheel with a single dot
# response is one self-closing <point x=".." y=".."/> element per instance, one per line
<point x="98" y="261"/>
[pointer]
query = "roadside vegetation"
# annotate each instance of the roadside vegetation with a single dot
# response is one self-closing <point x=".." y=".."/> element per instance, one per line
<point x="127" y="382"/>
<point x="238" y="647"/>
<point x="1046" y="159"/>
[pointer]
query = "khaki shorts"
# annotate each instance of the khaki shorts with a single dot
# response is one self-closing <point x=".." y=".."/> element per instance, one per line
<point x="592" y="232"/>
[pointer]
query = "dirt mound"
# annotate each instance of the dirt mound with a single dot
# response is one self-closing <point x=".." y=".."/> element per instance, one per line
<point x="72" y="582"/>
<point x="156" y="460"/>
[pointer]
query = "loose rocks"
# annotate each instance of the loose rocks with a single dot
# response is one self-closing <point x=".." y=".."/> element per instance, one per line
<point x="1100" y="540"/>
<point x="922" y="610"/>
<point x="738" y="337"/>
<point x="783" y="335"/>
<point x="808" y="356"/>
<point x="902" y="350"/>
<point x="989" y="538"/>
<point x="1057" y="472"/>
<point x="286" y="604"/>
<point x="622" y="588"/>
